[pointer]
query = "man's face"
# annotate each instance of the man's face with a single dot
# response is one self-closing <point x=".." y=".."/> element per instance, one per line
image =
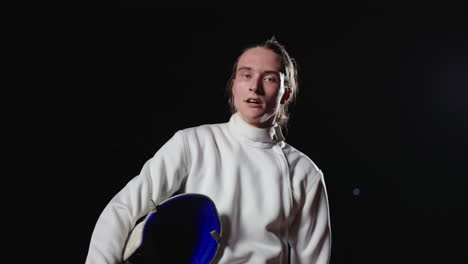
<point x="258" y="87"/>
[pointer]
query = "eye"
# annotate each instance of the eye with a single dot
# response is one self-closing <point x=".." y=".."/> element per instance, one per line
<point x="270" y="79"/>
<point x="246" y="75"/>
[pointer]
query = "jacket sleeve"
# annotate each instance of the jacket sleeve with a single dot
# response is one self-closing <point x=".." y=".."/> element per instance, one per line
<point x="310" y="237"/>
<point x="160" y="177"/>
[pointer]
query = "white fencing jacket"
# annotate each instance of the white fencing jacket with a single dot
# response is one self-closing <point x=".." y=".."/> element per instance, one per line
<point x="269" y="195"/>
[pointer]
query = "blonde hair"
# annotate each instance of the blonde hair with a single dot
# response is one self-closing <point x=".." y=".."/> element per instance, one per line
<point x="288" y="67"/>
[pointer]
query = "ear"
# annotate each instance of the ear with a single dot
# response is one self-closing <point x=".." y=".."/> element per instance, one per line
<point x="286" y="96"/>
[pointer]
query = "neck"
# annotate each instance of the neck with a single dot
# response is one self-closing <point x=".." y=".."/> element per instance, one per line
<point x="270" y="122"/>
<point x="261" y="137"/>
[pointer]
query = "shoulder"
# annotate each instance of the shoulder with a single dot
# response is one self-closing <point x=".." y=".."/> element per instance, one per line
<point x="203" y="130"/>
<point x="203" y="134"/>
<point x="302" y="164"/>
<point x="300" y="157"/>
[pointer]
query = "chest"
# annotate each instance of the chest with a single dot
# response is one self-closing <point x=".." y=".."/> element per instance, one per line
<point x="244" y="183"/>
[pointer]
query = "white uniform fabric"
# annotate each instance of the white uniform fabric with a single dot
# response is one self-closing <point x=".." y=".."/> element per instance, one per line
<point x="268" y="195"/>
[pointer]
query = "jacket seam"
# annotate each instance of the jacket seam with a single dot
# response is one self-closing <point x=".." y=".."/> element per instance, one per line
<point x="287" y="177"/>
<point x="151" y="183"/>
<point x="314" y="180"/>
<point x="186" y="153"/>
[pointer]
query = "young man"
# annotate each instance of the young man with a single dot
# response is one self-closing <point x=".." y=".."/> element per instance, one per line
<point x="271" y="197"/>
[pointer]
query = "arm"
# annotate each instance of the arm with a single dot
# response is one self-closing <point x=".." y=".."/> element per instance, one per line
<point x="159" y="178"/>
<point x="310" y="237"/>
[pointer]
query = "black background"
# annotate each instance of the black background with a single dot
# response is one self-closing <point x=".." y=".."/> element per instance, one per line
<point x="382" y="108"/>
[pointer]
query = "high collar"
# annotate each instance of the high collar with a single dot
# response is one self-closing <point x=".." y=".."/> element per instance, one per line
<point x="258" y="137"/>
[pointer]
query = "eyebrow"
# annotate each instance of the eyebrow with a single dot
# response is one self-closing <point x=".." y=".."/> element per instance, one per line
<point x="250" y="69"/>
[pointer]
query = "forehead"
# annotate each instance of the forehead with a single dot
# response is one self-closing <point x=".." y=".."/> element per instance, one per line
<point x="261" y="59"/>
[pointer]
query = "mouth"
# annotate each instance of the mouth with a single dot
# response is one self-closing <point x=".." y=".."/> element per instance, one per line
<point x="253" y="101"/>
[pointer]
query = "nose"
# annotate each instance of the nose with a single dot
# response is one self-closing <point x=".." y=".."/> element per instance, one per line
<point x="256" y="85"/>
